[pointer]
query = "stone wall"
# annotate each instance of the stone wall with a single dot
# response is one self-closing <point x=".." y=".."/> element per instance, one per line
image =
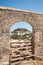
<point x="9" y="16"/>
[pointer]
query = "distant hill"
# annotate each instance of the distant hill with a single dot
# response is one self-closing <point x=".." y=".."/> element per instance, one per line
<point x="21" y="33"/>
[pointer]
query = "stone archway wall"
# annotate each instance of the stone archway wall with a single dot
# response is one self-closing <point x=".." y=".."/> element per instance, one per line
<point x="8" y="16"/>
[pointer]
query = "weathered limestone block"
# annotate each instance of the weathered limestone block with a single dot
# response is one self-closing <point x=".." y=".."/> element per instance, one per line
<point x="38" y="43"/>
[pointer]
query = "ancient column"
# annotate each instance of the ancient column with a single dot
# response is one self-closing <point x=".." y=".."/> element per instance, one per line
<point x="5" y="40"/>
<point x="38" y="49"/>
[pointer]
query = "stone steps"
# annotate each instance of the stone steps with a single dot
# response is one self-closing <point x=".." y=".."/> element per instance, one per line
<point x="20" y="52"/>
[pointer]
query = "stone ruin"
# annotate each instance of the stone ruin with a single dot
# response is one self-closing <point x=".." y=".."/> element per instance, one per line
<point x="9" y="16"/>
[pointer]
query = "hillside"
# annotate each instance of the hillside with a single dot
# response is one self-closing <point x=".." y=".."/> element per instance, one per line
<point x="21" y="33"/>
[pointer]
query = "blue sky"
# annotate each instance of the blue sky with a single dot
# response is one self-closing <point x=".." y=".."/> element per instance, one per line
<point x="21" y="25"/>
<point x="30" y="5"/>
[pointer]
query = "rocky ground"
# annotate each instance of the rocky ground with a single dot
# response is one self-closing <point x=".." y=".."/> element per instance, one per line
<point x="35" y="62"/>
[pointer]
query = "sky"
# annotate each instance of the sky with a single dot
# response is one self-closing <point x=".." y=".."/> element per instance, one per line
<point x="21" y="25"/>
<point x="29" y="5"/>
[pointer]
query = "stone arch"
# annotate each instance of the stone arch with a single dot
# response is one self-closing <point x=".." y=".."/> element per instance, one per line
<point x="13" y="15"/>
<point x="8" y="16"/>
<point x="19" y="19"/>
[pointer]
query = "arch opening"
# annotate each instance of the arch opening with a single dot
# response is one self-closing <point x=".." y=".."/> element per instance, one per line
<point x="21" y="40"/>
<point x="21" y="26"/>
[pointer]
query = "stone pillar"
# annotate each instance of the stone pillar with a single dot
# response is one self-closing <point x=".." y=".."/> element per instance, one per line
<point x="6" y="38"/>
<point x="5" y="43"/>
<point x="38" y="43"/>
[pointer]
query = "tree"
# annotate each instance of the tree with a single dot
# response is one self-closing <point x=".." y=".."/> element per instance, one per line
<point x="14" y="34"/>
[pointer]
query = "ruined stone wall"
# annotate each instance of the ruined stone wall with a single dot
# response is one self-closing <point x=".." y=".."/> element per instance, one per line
<point x="9" y="16"/>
